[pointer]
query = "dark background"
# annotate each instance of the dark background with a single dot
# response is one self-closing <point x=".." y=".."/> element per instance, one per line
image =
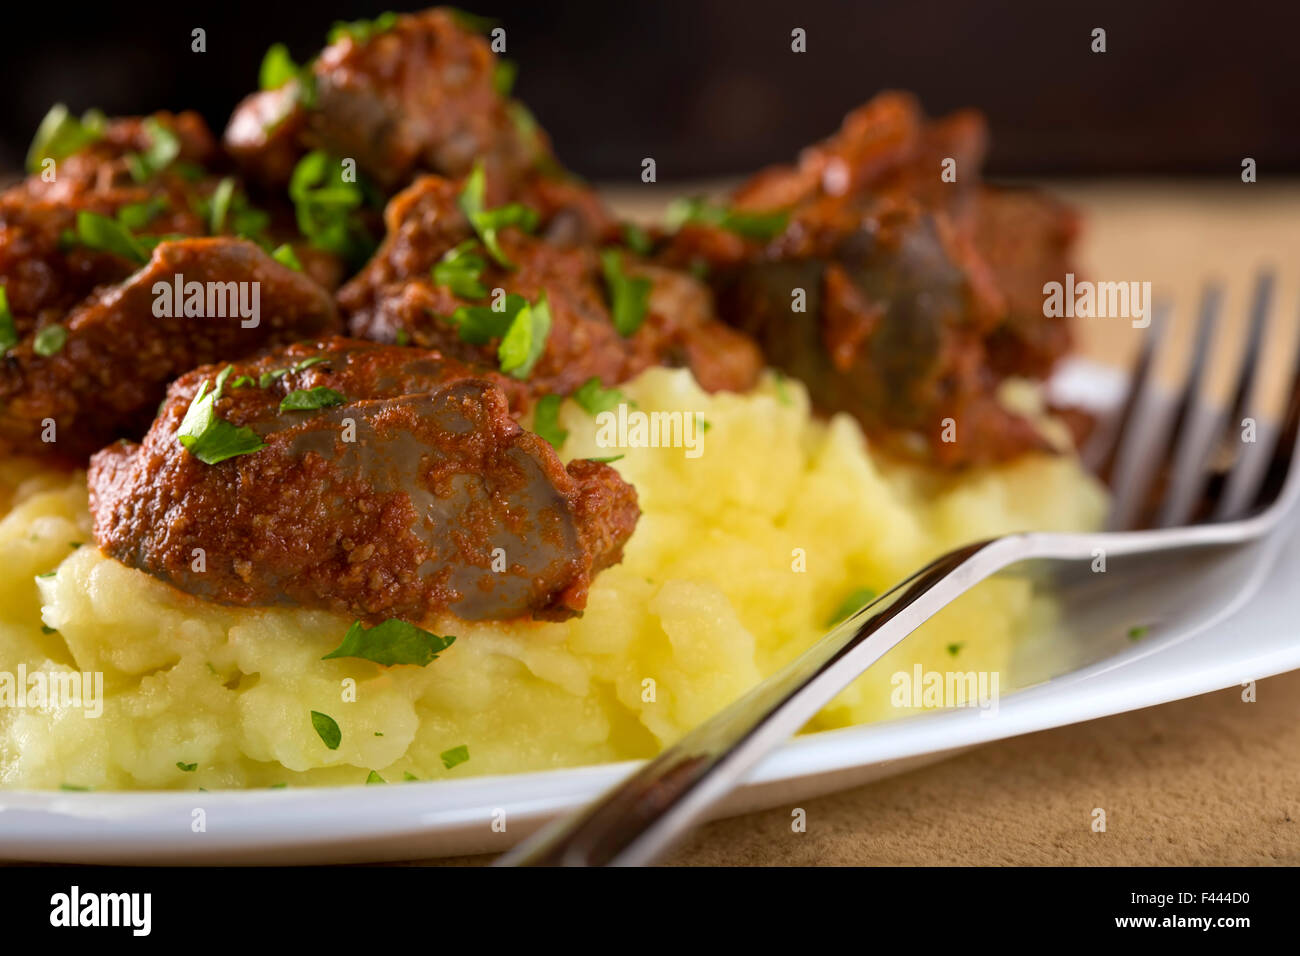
<point x="711" y="87"/>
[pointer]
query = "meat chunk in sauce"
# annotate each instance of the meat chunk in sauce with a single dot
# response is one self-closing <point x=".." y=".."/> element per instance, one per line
<point x="419" y="95"/>
<point x="118" y="349"/>
<point x="893" y="293"/>
<point x="410" y="492"/>
<point x="395" y="298"/>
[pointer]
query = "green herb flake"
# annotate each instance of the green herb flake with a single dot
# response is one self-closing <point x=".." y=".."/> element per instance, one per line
<point x="329" y="207"/>
<point x="851" y="604"/>
<point x="762" y="226"/>
<point x="210" y="438"/>
<point x="103" y="234"/>
<point x="220" y="205"/>
<point x="60" y="134"/>
<point x="164" y="148"/>
<point x="487" y="222"/>
<point x="46" y="629"/>
<point x="955" y="648"/>
<point x="455" y="756"/>
<point x="186" y="767"/>
<point x="407" y="775"/>
<point x="361" y="31"/>
<point x="309" y="399"/>
<point x="461" y="271"/>
<point x="606" y="461"/>
<point x="137" y="215"/>
<point x="595" y="398"/>
<point x="50" y="340"/>
<point x="525" y="339"/>
<point x="782" y="393"/>
<point x="277" y="68"/>
<point x="327" y="729"/>
<point x="74" y="788"/>
<point x="628" y="296"/>
<point x="637" y="239"/>
<point x="392" y="642"/>
<point x="8" y="331"/>
<point x="375" y="778"/>
<point x="546" y="420"/>
<point x="1137" y="633"/>
<point x="504" y="73"/>
<point x="285" y="255"/>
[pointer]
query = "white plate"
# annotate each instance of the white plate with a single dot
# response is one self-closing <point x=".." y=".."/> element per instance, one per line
<point x="1255" y="637"/>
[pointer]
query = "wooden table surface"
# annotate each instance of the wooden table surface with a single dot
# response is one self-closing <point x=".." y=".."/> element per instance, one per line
<point x="1208" y="781"/>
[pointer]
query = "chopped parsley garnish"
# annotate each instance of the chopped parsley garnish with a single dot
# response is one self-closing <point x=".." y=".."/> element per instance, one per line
<point x="407" y="775"/>
<point x="486" y="222"/>
<point x="137" y="215"/>
<point x="61" y="134"/>
<point x="454" y="756"/>
<point x="375" y="778"/>
<point x="1137" y="633"/>
<point x="186" y="767"/>
<point x="74" y="788"/>
<point x="595" y="398"/>
<point x="50" y="340"/>
<point x="277" y="68"/>
<point x="606" y="461"/>
<point x="8" y="331"/>
<point x="164" y="147"/>
<point x="851" y="604"/>
<point x="327" y="729"/>
<point x="503" y="76"/>
<point x="285" y="255"/>
<point x="266" y="379"/>
<point x="209" y="437"/>
<point x="362" y="30"/>
<point x="328" y="208"/>
<point x="955" y="648"/>
<point x="637" y="239"/>
<point x="751" y="225"/>
<point x="461" y="271"/>
<point x="782" y="393"/>
<point x="473" y="22"/>
<point x="46" y="629"/>
<point x="227" y="207"/>
<point x="392" y="642"/>
<point x="546" y="420"/>
<point x="220" y="204"/>
<point x="525" y="339"/>
<point x="308" y="399"/>
<point x="107" y="235"/>
<point x="522" y="327"/>
<point x="628" y="296"/>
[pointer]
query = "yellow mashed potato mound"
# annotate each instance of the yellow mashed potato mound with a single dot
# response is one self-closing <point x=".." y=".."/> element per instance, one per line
<point x="740" y="557"/>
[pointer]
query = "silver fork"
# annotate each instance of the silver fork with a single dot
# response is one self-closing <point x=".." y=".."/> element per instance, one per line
<point x="1150" y="444"/>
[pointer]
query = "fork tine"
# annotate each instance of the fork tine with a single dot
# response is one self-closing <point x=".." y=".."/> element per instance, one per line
<point x="1102" y="449"/>
<point x="1286" y="441"/>
<point x="1250" y="460"/>
<point x="1144" y="445"/>
<point x="1199" y="427"/>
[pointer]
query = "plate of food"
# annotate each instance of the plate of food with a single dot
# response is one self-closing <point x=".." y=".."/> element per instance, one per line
<point x="371" y="490"/>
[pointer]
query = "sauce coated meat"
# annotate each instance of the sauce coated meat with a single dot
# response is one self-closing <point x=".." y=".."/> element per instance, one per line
<point x="395" y="298"/>
<point x="386" y="502"/>
<point x="922" y="295"/>
<point x="118" y="354"/>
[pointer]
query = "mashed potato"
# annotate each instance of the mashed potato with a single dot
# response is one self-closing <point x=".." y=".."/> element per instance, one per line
<point x="741" y="556"/>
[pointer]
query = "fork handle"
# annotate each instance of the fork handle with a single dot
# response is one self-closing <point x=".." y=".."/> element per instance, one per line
<point x="636" y="820"/>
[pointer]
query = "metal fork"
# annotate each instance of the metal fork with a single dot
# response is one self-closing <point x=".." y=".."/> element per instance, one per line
<point x="1147" y="446"/>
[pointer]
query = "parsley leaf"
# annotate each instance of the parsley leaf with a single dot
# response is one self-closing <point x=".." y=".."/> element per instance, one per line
<point x="461" y="270"/>
<point x="307" y="399"/>
<point x="277" y="68"/>
<point x="637" y="239"/>
<point x="164" y="147"/>
<point x="50" y="340"/>
<point x="594" y="398"/>
<point x="362" y="30"/>
<point x="851" y="604"/>
<point x="327" y="729"/>
<point x="486" y="222"/>
<point x="454" y="756"/>
<point x="375" y="778"/>
<point x="61" y="134"/>
<point x="285" y="255"/>
<point x="606" y="461"/>
<point x="137" y="215"/>
<point x="546" y="420"/>
<point x="186" y="767"/>
<point x="752" y="225"/>
<point x="328" y="207"/>
<point x="503" y="76"/>
<point x="8" y="331"/>
<point x="392" y="642"/>
<point x="525" y="339"/>
<point x="209" y="437"/>
<point x="103" y="234"/>
<point x="628" y="296"/>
